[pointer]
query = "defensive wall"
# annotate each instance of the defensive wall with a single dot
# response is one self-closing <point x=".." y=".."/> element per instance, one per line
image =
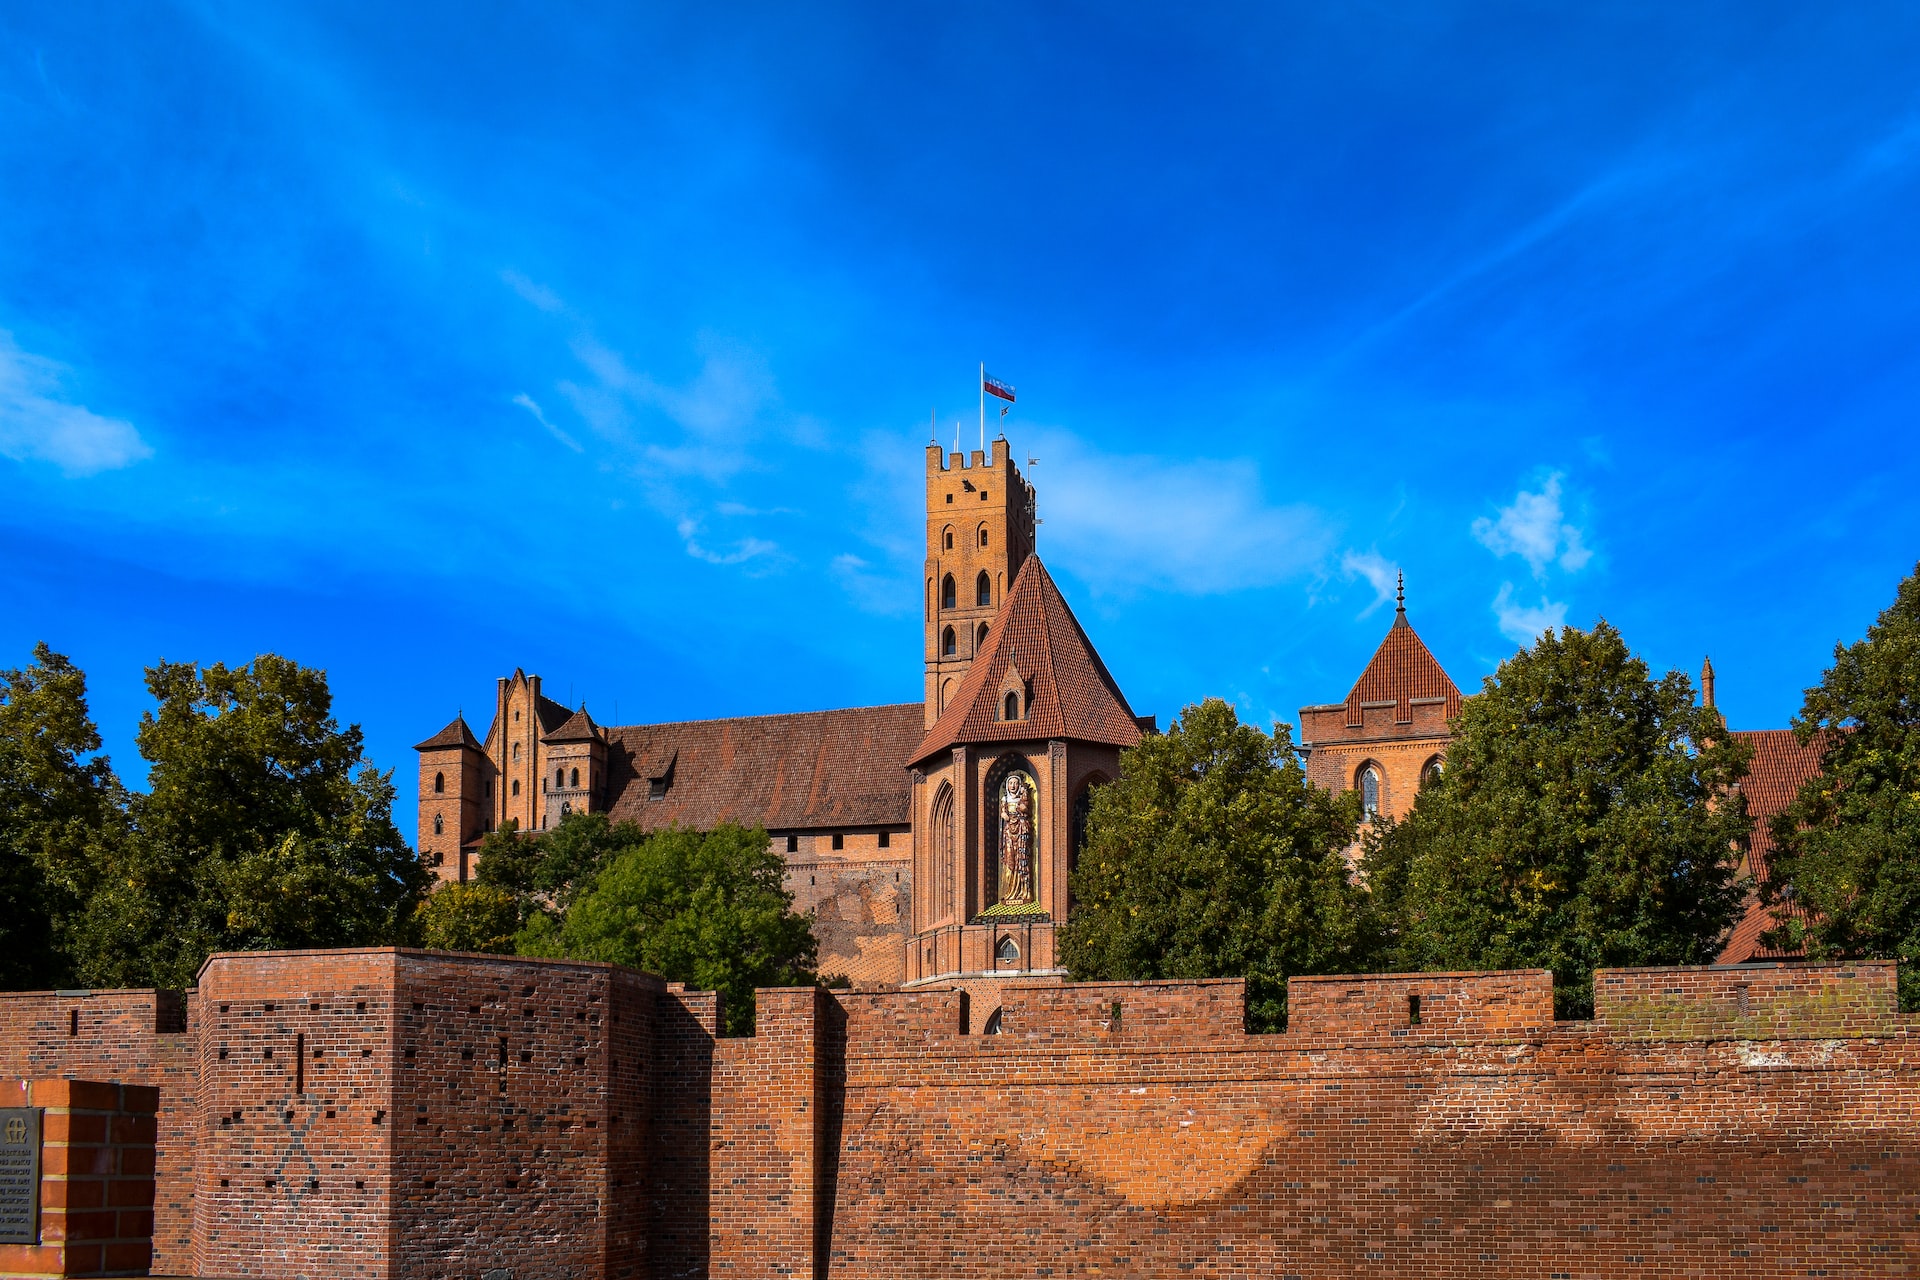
<point x="407" y="1114"/>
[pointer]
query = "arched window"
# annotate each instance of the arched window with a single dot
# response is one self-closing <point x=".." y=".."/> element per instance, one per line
<point x="983" y="535"/>
<point x="516" y="751"/>
<point x="516" y="786"/>
<point x="983" y="589"/>
<point x="946" y="592"/>
<point x="576" y="777"/>
<point x="439" y="828"/>
<point x="1008" y="952"/>
<point x="993" y="1024"/>
<point x="439" y="782"/>
<point x="1370" y="792"/>
<point x="980" y="640"/>
<point x="947" y="648"/>
<point x="1012" y="708"/>
<point x="1431" y="771"/>
<point x="943" y="853"/>
<point x="559" y="779"/>
<point x="566" y="807"/>
<point x="947" y="538"/>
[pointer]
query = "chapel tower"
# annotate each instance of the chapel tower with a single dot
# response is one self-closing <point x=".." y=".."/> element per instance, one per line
<point x="980" y="523"/>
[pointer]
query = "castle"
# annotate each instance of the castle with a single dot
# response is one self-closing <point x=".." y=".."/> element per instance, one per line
<point x="933" y="842"/>
<point x="392" y="1114"/>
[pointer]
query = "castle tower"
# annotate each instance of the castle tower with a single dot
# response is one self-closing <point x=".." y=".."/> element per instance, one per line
<point x="979" y="532"/>
<point x="456" y="799"/>
<point x="523" y="718"/>
<point x="1391" y="734"/>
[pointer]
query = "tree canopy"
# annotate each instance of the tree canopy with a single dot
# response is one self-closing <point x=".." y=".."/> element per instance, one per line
<point x="262" y="828"/>
<point x="1212" y="856"/>
<point x="1848" y="847"/>
<point x="59" y="802"/>
<point x="1585" y="818"/>
<point x="709" y="909"/>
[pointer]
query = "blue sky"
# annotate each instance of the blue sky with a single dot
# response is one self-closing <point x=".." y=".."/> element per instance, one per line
<point x="423" y="342"/>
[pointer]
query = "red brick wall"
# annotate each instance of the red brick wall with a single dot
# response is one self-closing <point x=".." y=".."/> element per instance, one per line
<point x="1484" y="1141"/>
<point x="1751" y="1122"/>
<point x="132" y="1037"/>
<point x="96" y="1178"/>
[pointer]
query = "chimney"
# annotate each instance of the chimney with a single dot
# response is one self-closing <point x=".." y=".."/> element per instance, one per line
<point x="1706" y="683"/>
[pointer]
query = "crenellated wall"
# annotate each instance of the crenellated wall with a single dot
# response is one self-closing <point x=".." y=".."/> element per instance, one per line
<point x="1751" y="1122"/>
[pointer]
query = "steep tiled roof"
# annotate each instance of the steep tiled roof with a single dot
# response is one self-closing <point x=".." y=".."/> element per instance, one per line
<point x="1073" y="695"/>
<point x="813" y="769"/>
<point x="454" y="735"/>
<point x="578" y="727"/>
<point x="1780" y="765"/>
<point x="552" y="715"/>
<point x="1402" y="669"/>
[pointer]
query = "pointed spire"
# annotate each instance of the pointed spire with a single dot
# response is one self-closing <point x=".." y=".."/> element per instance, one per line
<point x="1400" y="593"/>
<point x="1706" y="682"/>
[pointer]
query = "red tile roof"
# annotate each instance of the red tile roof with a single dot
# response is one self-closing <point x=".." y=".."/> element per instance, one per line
<point x="1402" y="669"/>
<point x="1073" y="695"/>
<point x="1780" y="765"/>
<point x="810" y="770"/>
<point x="454" y="735"/>
<point x="578" y="727"/>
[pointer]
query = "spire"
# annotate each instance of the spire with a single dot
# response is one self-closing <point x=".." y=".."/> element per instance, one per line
<point x="1706" y="683"/>
<point x="1400" y="594"/>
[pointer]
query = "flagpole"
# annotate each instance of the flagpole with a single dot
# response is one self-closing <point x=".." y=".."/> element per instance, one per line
<point x="983" y="406"/>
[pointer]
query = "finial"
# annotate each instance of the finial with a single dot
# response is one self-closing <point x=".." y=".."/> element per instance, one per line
<point x="1400" y="593"/>
<point x="1706" y="682"/>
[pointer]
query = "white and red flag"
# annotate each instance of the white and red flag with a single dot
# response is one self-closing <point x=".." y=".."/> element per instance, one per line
<point x="994" y="387"/>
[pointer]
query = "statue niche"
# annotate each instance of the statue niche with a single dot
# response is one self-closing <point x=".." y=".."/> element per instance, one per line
<point x="1013" y="831"/>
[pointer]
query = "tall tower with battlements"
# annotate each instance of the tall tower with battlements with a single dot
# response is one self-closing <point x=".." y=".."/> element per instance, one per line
<point x="979" y="532"/>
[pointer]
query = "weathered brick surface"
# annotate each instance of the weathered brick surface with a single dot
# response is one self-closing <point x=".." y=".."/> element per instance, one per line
<point x="134" y="1037"/>
<point x="1756" y="1122"/>
<point x="96" y="1178"/>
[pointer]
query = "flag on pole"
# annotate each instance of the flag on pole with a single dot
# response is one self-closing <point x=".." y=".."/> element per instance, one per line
<point x="994" y="387"/>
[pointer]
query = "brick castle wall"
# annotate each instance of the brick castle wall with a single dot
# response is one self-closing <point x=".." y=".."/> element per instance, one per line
<point x="1750" y="1122"/>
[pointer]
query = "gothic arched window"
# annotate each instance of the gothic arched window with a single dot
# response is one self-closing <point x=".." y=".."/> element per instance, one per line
<point x="516" y="751"/>
<point x="516" y="786"/>
<point x="980" y="640"/>
<point x="1012" y="708"/>
<point x="943" y="853"/>
<point x="576" y="777"/>
<point x="946" y="592"/>
<point x="1370" y="792"/>
<point x="559" y="779"/>
<point x="439" y="828"/>
<point x="983" y="589"/>
<point x="1430" y="772"/>
<point x="983" y="535"/>
<point x="439" y="782"/>
<point x="947" y="538"/>
<point x="947" y="649"/>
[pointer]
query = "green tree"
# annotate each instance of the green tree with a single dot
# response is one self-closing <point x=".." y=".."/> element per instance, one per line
<point x="59" y="801"/>
<point x="1586" y="818"/>
<point x="468" y="917"/>
<point x="263" y="828"/>
<point x="709" y="909"/>
<point x="1211" y="857"/>
<point x="1848" y="847"/>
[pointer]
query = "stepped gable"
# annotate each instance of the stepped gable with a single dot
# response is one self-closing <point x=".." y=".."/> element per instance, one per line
<point x="1780" y="764"/>
<point x="1402" y="669"/>
<point x="578" y="727"/>
<point x="456" y="734"/>
<point x="808" y="770"/>
<point x="1073" y="696"/>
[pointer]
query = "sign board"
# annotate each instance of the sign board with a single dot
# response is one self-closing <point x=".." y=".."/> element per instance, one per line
<point x="19" y="1175"/>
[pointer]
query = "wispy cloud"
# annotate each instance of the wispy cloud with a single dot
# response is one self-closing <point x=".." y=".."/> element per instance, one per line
<point x="528" y="403"/>
<point x="1197" y="526"/>
<point x="39" y="423"/>
<point x="537" y="294"/>
<point x="1523" y="623"/>
<point x="1534" y="528"/>
<point x="872" y="591"/>
<point x="1381" y="574"/>
<point x="739" y="551"/>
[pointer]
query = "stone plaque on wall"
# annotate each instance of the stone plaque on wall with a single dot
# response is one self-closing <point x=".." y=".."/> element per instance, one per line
<point x="19" y="1175"/>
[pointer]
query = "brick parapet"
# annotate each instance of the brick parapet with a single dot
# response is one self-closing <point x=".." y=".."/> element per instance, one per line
<point x="96" y="1187"/>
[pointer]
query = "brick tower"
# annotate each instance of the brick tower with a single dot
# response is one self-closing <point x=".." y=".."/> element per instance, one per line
<point x="456" y="798"/>
<point x="979" y="533"/>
